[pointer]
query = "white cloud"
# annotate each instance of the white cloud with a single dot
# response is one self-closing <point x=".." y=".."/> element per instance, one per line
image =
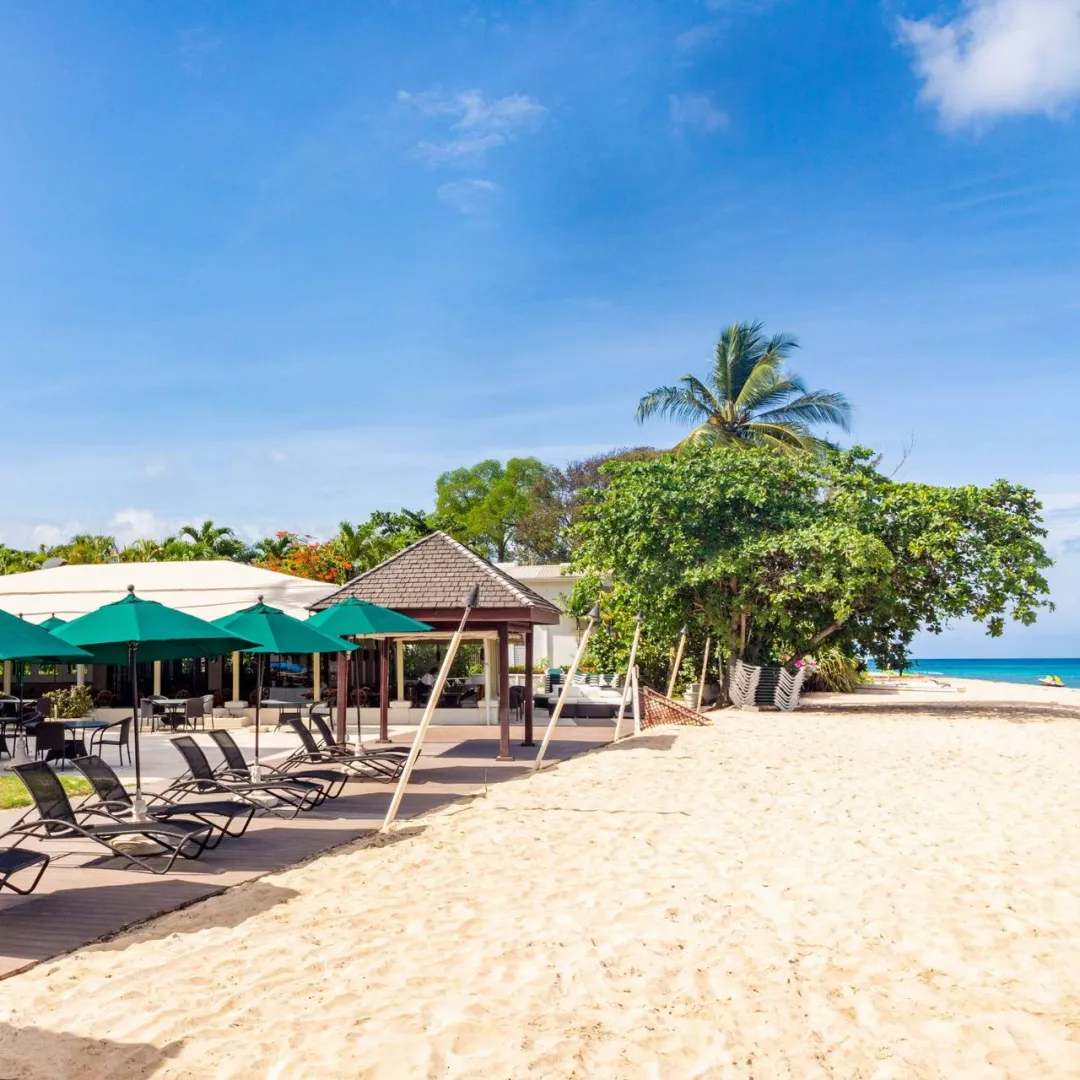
<point x="478" y="125"/>
<point x="696" y="36"/>
<point x="696" y="111"/>
<point x="998" y="58"/>
<point x="48" y="534"/>
<point x="134" y="523"/>
<point x="468" y="196"/>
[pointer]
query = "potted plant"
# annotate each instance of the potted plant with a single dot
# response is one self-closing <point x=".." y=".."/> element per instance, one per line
<point x="71" y="703"/>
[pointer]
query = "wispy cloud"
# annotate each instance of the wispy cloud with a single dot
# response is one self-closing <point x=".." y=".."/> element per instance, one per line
<point x="696" y="111"/>
<point x="468" y="196"/>
<point x="135" y="523"/>
<point x="998" y="58"/>
<point x="477" y="125"/>
<point x="696" y="36"/>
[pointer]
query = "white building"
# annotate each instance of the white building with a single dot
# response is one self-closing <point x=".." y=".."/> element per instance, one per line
<point x="553" y="646"/>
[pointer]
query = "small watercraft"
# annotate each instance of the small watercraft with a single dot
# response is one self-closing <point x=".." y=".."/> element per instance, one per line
<point x="1051" y="680"/>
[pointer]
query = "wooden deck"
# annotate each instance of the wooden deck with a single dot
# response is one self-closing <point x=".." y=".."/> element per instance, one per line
<point x="84" y="898"/>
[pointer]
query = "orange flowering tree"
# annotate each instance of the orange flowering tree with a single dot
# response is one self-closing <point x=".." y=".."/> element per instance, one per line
<point x="304" y="556"/>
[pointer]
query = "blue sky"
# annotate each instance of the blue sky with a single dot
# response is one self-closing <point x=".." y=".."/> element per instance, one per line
<point x="281" y="264"/>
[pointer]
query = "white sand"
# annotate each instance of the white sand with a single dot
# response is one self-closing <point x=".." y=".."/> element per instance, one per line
<point x="820" y="895"/>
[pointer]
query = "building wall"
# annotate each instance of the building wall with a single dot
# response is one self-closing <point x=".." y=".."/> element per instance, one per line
<point x="557" y="643"/>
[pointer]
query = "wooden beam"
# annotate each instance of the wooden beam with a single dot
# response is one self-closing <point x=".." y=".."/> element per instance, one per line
<point x="384" y="690"/>
<point x="528" y="690"/>
<point x="504" y="695"/>
<point x="342" y="694"/>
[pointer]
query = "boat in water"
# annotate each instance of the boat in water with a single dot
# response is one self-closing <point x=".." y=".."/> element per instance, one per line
<point x="1051" y="680"/>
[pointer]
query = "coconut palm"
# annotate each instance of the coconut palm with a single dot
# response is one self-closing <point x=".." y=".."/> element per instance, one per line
<point x="143" y="550"/>
<point x="750" y="397"/>
<point x="210" y="541"/>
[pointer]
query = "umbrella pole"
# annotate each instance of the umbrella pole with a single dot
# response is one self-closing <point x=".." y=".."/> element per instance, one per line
<point x="359" y="722"/>
<point x="139" y="811"/>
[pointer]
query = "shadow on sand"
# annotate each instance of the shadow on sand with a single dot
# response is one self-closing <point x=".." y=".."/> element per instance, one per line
<point x="32" y="1053"/>
<point x="1018" y="712"/>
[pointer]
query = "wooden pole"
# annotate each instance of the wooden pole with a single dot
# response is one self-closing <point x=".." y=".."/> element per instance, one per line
<point x="528" y="689"/>
<point x="629" y="675"/>
<point x="384" y="690"/>
<point x="678" y="661"/>
<point x="594" y="617"/>
<point x="236" y="676"/>
<point x="504" y="694"/>
<point x="429" y="711"/>
<point x="342" y="694"/>
<point x="704" y="668"/>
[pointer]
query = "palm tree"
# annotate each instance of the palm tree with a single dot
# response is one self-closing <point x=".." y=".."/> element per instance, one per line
<point x="750" y="397"/>
<point x="143" y="550"/>
<point x="210" y="541"/>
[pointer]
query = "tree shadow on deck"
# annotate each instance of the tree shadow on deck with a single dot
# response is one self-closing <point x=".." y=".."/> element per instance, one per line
<point x="33" y="1053"/>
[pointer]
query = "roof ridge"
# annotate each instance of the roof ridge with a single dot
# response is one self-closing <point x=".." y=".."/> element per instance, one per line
<point x="523" y="592"/>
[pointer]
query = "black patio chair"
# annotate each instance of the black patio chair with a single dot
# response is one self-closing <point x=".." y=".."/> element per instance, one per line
<point x="293" y="794"/>
<point x="516" y="701"/>
<point x="13" y="860"/>
<point x="122" y="730"/>
<point x="57" y="820"/>
<point x="237" y="766"/>
<point x="111" y="796"/>
<point x="330" y="743"/>
<point x="369" y="766"/>
<point x="52" y="740"/>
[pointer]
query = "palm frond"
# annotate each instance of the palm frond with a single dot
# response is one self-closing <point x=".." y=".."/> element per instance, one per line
<point x="674" y="402"/>
<point x="811" y="409"/>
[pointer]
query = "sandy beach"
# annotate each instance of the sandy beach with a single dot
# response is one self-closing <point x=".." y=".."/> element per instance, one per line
<point x="883" y="886"/>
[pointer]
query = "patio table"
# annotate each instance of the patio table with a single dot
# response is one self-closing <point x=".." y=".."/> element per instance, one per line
<point x="74" y="747"/>
<point x="174" y="709"/>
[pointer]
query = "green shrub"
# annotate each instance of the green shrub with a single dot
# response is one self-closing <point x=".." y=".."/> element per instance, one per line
<point x="835" y="673"/>
<point x="70" y="702"/>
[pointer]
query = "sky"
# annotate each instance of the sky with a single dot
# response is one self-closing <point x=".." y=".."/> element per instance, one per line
<point x="282" y="264"/>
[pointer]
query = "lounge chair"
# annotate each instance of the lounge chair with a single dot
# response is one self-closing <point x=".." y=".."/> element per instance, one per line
<point x="237" y="767"/>
<point x="57" y="820"/>
<point x="292" y="794"/>
<point x="330" y="743"/>
<point x="111" y="796"/>
<point x="384" y="768"/>
<point x="13" y="860"/>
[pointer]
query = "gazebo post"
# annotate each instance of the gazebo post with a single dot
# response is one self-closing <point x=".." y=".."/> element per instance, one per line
<point x="342" y="694"/>
<point x="504" y="694"/>
<point x="528" y="689"/>
<point x="384" y="690"/>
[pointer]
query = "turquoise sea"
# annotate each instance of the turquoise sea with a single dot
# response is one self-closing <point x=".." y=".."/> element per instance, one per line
<point x="1017" y="671"/>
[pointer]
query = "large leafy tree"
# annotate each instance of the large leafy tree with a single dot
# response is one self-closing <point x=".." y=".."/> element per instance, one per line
<point x="749" y="397"/>
<point x="775" y="555"/>
<point x="385" y="533"/>
<point x="484" y="505"/>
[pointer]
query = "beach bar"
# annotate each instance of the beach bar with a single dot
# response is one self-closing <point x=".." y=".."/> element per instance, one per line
<point x="427" y="582"/>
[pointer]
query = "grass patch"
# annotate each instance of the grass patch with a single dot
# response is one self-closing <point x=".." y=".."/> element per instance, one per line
<point x="13" y="791"/>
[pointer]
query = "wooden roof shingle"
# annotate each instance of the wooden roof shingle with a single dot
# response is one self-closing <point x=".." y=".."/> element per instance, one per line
<point x="437" y="572"/>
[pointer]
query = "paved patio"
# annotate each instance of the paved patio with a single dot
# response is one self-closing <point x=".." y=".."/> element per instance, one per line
<point x="84" y="898"/>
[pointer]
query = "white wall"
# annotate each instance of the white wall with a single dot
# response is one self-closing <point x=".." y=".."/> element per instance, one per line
<point x="556" y="642"/>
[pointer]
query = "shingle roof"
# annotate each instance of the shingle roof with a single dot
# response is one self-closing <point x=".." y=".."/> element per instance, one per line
<point x="437" y="572"/>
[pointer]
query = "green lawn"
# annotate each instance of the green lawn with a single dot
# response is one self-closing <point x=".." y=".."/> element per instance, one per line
<point x="13" y="791"/>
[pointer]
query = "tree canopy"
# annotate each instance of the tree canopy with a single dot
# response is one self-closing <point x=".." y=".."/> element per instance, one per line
<point x="749" y="397"/>
<point x="774" y="555"/>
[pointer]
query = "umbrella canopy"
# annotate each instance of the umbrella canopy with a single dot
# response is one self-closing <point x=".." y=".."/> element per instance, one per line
<point x="21" y="640"/>
<point x="51" y="623"/>
<point x="160" y="632"/>
<point x="272" y="631"/>
<point x="359" y="618"/>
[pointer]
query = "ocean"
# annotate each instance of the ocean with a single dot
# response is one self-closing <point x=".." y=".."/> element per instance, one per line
<point x="1027" y="672"/>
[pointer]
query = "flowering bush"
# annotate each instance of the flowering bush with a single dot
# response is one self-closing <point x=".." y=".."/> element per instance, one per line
<point x="309" y="558"/>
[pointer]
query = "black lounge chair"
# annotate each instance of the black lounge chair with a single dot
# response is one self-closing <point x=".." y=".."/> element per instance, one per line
<point x="111" y="796"/>
<point x="236" y="766"/>
<point x="57" y="820"/>
<point x="330" y="743"/>
<point x="383" y="768"/>
<point x="13" y="860"/>
<point x="293" y="795"/>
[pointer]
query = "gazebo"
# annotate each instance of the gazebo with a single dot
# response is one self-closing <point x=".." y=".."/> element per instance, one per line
<point x="428" y="581"/>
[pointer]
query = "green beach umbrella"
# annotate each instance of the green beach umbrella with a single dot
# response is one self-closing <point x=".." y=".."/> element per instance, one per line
<point x="273" y="631"/>
<point x="352" y="617"/>
<point x="360" y="618"/>
<point x="132" y="629"/>
<point x="22" y="640"/>
<point x="51" y="623"/>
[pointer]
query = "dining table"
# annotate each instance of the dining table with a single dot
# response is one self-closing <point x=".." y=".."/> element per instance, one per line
<point x="74" y="747"/>
<point x="174" y="710"/>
